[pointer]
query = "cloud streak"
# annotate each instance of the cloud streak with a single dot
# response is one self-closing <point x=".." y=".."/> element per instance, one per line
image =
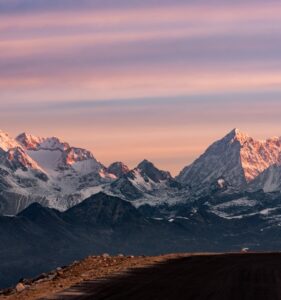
<point x="144" y="75"/>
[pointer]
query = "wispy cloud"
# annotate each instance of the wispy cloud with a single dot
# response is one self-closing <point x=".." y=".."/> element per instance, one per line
<point x="164" y="69"/>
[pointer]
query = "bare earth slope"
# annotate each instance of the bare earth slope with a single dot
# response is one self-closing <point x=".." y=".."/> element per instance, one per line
<point x="213" y="277"/>
<point x="91" y="268"/>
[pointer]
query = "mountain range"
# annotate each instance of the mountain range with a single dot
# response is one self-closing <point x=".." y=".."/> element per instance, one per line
<point x="58" y="203"/>
<point x="55" y="174"/>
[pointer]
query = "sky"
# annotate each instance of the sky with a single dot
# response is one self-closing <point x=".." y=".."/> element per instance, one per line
<point x="135" y="79"/>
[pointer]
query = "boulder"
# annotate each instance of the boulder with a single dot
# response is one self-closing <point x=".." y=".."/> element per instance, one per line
<point x="20" y="287"/>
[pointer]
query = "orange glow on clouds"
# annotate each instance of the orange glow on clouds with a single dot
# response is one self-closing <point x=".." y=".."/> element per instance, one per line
<point x="130" y="85"/>
<point x="108" y="79"/>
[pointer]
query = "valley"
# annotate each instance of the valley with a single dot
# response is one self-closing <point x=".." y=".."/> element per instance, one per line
<point x="58" y="203"/>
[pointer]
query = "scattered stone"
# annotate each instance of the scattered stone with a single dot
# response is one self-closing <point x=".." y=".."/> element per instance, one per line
<point x="20" y="287"/>
<point x="59" y="273"/>
<point x="40" y="277"/>
<point x="41" y="280"/>
<point x="52" y="276"/>
<point x="64" y="277"/>
<point x="25" y="281"/>
<point x="7" y="291"/>
<point x="64" y="267"/>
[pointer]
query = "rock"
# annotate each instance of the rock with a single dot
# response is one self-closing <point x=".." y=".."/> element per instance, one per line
<point x="120" y="255"/>
<point x="59" y="273"/>
<point x="20" y="287"/>
<point x="41" y="276"/>
<point x="52" y="276"/>
<point x="105" y="255"/>
<point x="25" y="281"/>
<point x="8" y="291"/>
<point x="58" y="269"/>
<point x="42" y="280"/>
<point x="64" y="267"/>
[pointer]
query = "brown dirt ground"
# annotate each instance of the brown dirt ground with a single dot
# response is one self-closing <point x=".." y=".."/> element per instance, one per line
<point x="91" y="268"/>
<point x="249" y="276"/>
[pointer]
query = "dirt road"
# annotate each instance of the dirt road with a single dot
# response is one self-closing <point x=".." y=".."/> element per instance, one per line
<point x="212" y="277"/>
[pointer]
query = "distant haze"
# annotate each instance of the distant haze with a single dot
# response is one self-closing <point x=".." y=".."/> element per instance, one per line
<point x="135" y="79"/>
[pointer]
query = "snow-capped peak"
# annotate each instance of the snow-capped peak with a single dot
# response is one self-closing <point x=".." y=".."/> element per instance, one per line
<point x="237" y="157"/>
<point x="54" y="143"/>
<point x="19" y="159"/>
<point x="148" y="168"/>
<point x="14" y="155"/>
<point x="6" y="142"/>
<point x="118" y="169"/>
<point x="145" y="164"/>
<point x="29" y="141"/>
<point x="51" y="152"/>
<point x="236" y="135"/>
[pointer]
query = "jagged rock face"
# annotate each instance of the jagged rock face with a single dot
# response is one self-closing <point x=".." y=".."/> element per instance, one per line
<point x="19" y="176"/>
<point x="269" y="180"/>
<point x="126" y="188"/>
<point x="16" y="158"/>
<point x="11" y="202"/>
<point x="6" y="142"/>
<point x="13" y="156"/>
<point x="52" y="153"/>
<point x="148" y="169"/>
<point x="29" y="141"/>
<point x="145" y="178"/>
<point x="118" y="169"/>
<point x="55" y="155"/>
<point x="50" y="171"/>
<point x="237" y="158"/>
<point x="46" y="170"/>
<point x="146" y="184"/>
<point x="257" y="156"/>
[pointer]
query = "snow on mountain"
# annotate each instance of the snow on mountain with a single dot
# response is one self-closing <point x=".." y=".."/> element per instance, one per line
<point x="48" y="171"/>
<point x="6" y="142"/>
<point x="56" y="156"/>
<point x="20" y="177"/>
<point x="269" y="181"/>
<point x="237" y="159"/>
<point x="53" y="173"/>
<point x="148" y="169"/>
<point x="146" y="184"/>
<point x="144" y="178"/>
<point x="29" y="141"/>
<point x="236" y="209"/>
<point x="118" y="169"/>
<point x="13" y="156"/>
<point x="51" y="152"/>
<point x="72" y="170"/>
<point x="17" y="158"/>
